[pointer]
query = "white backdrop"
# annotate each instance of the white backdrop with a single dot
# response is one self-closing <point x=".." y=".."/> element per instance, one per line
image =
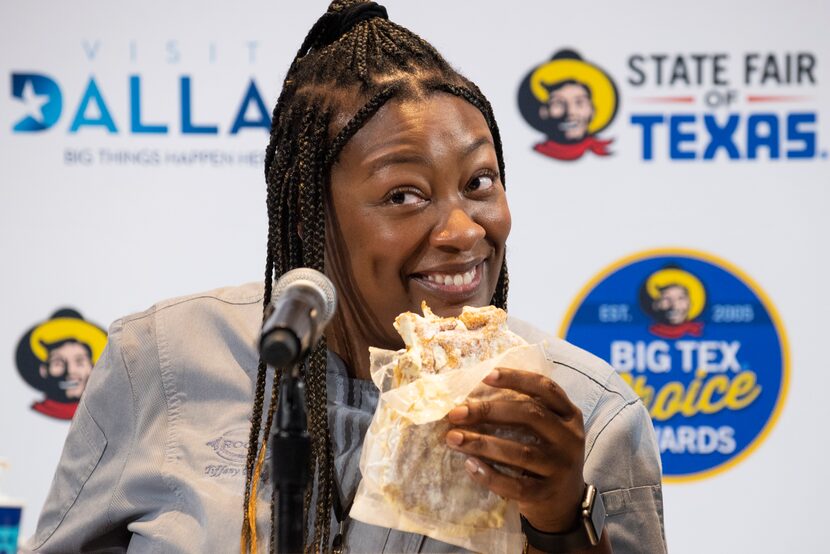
<point x="110" y="222"/>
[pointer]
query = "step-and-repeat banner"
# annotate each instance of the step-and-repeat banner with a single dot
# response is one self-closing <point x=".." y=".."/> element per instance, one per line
<point x="667" y="170"/>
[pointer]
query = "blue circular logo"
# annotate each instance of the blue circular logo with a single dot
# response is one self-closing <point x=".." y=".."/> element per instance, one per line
<point x="702" y="346"/>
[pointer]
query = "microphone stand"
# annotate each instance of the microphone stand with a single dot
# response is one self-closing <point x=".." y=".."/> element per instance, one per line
<point x="292" y="454"/>
<point x="304" y="302"/>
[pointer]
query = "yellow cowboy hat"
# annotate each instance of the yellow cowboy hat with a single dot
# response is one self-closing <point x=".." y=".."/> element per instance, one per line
<point x="677" y="277"/>
<point x="67" y="328"/>
<point x="572" y="68"/>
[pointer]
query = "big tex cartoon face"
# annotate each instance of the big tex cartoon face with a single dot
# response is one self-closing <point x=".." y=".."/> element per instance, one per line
<point x="570" y="101"/>
<point x="66" y="370"/>
<point x="569" y="111"/>
<point x="673" y="304"/>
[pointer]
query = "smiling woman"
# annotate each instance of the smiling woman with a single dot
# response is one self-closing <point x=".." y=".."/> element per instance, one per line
<point x="385" y="171"/>
<point x="422" y="216"/>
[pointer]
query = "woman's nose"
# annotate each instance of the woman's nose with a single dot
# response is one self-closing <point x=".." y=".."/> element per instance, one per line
<point x="458" y="231"/>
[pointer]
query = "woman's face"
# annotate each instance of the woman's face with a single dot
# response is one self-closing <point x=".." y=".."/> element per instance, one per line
<point x="421" y="210"/>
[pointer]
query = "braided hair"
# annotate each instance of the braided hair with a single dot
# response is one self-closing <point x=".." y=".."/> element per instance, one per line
<point x="351" y="63"/>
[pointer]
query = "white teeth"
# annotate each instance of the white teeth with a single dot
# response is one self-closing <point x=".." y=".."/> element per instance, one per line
<point x="456" y="279"/>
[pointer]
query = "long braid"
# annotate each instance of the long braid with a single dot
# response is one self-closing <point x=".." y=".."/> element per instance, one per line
<point x="259" y="388"/>
<point x="330" y="77"/>
<point x="311" y="211"/>
<point x="500" y="295"/>
<point x="274" y="235"/>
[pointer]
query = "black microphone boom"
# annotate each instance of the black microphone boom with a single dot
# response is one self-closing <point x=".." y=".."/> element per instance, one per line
<point x="304" y="302"/>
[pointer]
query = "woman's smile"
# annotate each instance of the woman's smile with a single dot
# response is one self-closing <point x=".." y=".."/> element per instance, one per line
<point x="453" y="283"/>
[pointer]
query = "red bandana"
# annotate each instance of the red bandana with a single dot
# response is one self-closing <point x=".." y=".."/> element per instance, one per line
<point x="666" y="331"/>
<point x="53" y="408"/>
<point x="574" y="151"/>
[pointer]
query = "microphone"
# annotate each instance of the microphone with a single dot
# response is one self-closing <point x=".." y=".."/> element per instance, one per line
<point x="304" y="303"/>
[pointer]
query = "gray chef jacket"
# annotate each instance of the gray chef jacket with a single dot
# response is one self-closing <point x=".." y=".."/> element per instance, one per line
<point x="154" y="459"/>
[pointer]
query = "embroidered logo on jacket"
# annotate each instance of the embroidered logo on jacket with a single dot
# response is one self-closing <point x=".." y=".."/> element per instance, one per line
<point x="231" y="451"/>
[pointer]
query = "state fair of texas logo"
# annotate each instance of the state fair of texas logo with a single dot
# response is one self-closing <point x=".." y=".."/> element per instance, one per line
<point x="699" y="342"/>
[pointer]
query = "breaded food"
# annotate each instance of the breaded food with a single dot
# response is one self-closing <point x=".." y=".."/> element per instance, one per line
<point x="425" y="476"/>
<point x="436" y="344"/>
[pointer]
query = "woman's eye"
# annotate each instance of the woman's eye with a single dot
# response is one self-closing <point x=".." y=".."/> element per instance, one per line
<point x="404" y="197"/>
<point x="481" y="182"/>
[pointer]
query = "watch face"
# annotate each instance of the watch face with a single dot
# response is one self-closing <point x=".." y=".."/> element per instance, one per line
<point x="596" y="520"/>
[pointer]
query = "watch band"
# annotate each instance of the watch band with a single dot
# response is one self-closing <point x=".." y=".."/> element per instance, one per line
<point x="586" y="533"/>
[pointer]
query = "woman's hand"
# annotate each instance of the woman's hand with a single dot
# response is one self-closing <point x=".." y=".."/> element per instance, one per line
<point x="550" y="489"/>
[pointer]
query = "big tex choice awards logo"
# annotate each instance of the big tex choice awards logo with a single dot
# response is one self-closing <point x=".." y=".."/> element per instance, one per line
<point x="56" y="357"/>
<point x="681" y="106"/>
<point x="701" y="345"/>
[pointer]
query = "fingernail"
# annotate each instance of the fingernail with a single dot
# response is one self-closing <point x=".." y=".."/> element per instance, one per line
<point x="493" y="377"/>
<point x="455" y="438"/>
<point x="459" y="412"/>
<point x="473" y="467"/>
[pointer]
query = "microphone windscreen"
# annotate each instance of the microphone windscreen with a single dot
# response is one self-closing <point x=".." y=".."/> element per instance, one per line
<point x="311" y="278"/>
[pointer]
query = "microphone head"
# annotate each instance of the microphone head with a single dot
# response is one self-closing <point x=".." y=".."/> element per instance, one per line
<point x="310" y="279"/>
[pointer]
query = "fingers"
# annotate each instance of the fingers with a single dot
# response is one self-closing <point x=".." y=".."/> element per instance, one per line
<point x="548" y="504"/>
<point x="542" y="405"/>
<point x="528" y="457"/>
<point x="553" y="463"/>
<point x="529" y="412"/>
<point x="536" y="386"/>
<point x="522" y="489"/>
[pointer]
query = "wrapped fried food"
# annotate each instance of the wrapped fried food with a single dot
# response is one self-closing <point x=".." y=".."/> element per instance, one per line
<point x="411" y="480"/>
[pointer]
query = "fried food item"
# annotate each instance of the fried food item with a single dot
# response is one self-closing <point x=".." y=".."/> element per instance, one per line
<point x="425" y="476"/>
<point x="436" y="344"/>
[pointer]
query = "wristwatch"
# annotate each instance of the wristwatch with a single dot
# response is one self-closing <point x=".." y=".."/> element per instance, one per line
<point x="586" y="533"/>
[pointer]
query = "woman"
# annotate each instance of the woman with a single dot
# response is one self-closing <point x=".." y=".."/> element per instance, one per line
<point x="385" y="171"/>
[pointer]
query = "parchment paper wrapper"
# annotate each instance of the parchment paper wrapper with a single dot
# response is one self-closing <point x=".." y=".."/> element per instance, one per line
<point x="412" y="481"/>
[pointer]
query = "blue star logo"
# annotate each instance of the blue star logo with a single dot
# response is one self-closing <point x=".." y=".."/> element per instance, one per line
<point x="42" y="99"/>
